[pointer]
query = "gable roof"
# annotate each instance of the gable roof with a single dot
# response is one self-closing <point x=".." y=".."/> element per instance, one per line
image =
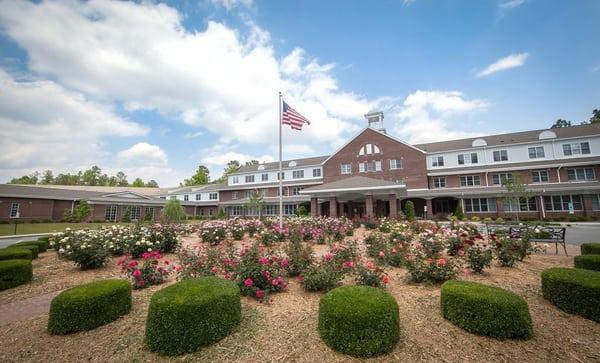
<point x="274" y="166"/>
<point x="512" y="138"/>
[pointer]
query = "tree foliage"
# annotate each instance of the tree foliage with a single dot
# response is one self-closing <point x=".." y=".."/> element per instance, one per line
<point x="516" y="191"/>
<point x="560" y="123"/>
<point x="92" y="177"/>
<point x="173" y="211"/>
<point x="201" y="177"/>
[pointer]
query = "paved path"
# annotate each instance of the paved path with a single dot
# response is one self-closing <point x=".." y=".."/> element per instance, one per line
<point x="9" y="240"/>
<point x="25" y="309"/>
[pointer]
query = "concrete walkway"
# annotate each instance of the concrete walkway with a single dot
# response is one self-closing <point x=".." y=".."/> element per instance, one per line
<point x="26" y="309"/>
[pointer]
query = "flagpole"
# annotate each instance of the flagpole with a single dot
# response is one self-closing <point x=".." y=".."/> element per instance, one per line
<point x="280" y="171"/>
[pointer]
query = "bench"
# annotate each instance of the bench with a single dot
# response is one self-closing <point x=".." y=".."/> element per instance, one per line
<point x="497" y="228"/>
<point x="545" y="234"/>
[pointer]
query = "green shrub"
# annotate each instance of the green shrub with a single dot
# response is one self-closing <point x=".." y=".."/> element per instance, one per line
<point x="35" y="251"/>
<point x="409" y="210"/>
<point x="486" y="310"/>
<point x="361" y="321"/>
<point x="14" y="273"/>
<point x="42" y="245"/>
<point x="575" y="291"/>
<point x="588" y="262"/>
<point x="458" y="213"/>
<point x="192" y="313"/>
<point x="15" y="254"/>
<point x="88" y="306"/>
<point x="590" y="248"/>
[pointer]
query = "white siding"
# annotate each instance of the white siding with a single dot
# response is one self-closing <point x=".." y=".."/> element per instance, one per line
<point x="288" y="176"/>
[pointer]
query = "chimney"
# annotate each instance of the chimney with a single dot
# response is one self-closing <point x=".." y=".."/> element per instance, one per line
<point x="375" y="120"/>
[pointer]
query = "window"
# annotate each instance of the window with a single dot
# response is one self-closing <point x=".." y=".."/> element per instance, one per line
<point x="173" y="197"/>
<point x="437" y="161"/>
<point x="281" y="175"/>
<point x="500" y="155"/>
<point x="370" y="166"/>
<point x="236" y="210"/>
<point x="439" y="182"/>
<point x="135" y="213"/>
<point x="285" y="191"/>
<point x="560" y="203"/>
<point x="296" y="190"/>
<point x="362" y="167"/>
<point x="263" y="193"/>
<point x="378" y="165"/>
<point x="149" y="213"/>
<point x="369" y="149"/>
<point x="235" y="180"/>
<point x="470" y="180"/>
<point x="110" y="213"/>
<point x="247" y="194"/>
<point x="186" y="197"/>
<point x="596" y="201"/>
<point x="536" y="152"/>
<point x="289" y="209"/>
<point x="298" y="174"/>
<point x="249" y="178"/>
<point x="213" y="196"/>
<point x="396" y="164"/>
<point x="580" y="148"/>
<point x="581" y="174"/>
<point x="480" y="204"/>
<point x="467" y="159"/>
<point x="14" y="210"/>
<point x="269" y="210"/>
<point x="234" y="195"/>
<point x="525" y="205"/>
<point x="198" y="197"/>
<point x="346" y="168"/>
<point x="317" y="173"/>
<point x="499" y="179"/>
<point x="539" y="176"/>
<point x="264" y="177"/>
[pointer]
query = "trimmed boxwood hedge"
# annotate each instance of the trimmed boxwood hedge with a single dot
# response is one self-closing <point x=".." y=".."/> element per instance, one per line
<point x="588" y="262"/>
<point x="573" y="290"/>
<point x="14" y="273"/>
<point x="46" y="240"/>
<point x="88" y="306"/>
<point x="486" y="310"/>
<point x="191" y="314"/>
<point x="35" y="251"/>
<point x="590" y="248"/>
<point x="361" y="321"/>
<point x="15" y="254"/>
<point x="42" y="246"/>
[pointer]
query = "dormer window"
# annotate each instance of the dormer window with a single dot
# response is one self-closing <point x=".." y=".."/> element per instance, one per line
<point x="261" y="167"/>
<point x="369" y="149"/>
<point x="291" y="164"/>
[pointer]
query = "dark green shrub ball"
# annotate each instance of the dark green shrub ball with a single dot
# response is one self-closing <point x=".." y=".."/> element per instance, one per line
<point x="42" y="246"/>
<point x="191" y="314"/>
<point x="88" y="306"/>
<point x="573" y="290"/>
<point x="14" y="273"/>
<point x="35" y="251"/>
<point x="486" y="310"/>
<point x="588" y="262"/>
<point x="590" y="248"/>
<point x="45" y="240"/>
<point x="361" y="321"/>
<point x="15" y="254"/>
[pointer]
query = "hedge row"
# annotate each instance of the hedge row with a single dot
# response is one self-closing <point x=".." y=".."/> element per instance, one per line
<point x="192" y="313"/>
<point x="590" y="248"/>
<point x="14" y="273"/>
<point x="15" y="254"/>
<point x="42" y="245"/>
<point x="88" y="306"/>
<point x="486" y="310"/>
<point x="35" y="251"/>
<point x="573" y="290"/>
<point x="588" y="262"/>
<point x="361" y="321"/>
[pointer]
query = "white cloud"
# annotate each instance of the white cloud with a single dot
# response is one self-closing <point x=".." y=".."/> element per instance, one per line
<point x="428" y="116"/>
<point x="231" y="4"/>
<point x="193" y="135"/>
<point x="508" y="62"/>
<point x="143" y="154"/>
<point x="509" y="4"/>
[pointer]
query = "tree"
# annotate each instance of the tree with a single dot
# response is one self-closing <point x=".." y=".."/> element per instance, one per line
<point x="516" y="192"/>
<point x="92" y="176"/>
<point x="26" y="179"/>
<point x="152" y="184"/>
<point x="561" y="123"/>
<point x="458" y="213"/>
<point x="201" y="177"/>
<point x="138" y="183"/>
<point x="173" y="211"/>
<point x="47" y="177"/>
<point x="121" y="179"/>
<point x="596" y="117"/>
<point x="256" y="201"/>
<point x="68" y="179"/>
<point x="232" y="166"/>
<point x="82" y="211"/>
<point x="409" y="210"/>
<point x="301" y="211"/>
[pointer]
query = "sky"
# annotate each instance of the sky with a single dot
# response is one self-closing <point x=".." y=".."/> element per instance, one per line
<point x="157" y="88"/>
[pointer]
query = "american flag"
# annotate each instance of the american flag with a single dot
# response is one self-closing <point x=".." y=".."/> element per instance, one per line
<point x="291" y="117"/>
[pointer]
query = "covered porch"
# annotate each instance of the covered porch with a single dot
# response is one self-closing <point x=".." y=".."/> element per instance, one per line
<point x="356" y="197"/>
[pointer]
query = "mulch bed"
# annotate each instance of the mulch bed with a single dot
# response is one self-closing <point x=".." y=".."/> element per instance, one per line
<point x="286" y="330"/>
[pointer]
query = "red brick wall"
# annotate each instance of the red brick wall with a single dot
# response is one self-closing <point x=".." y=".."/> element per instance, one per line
<point x="414" y="173"/>
<point x="28" y="208"/>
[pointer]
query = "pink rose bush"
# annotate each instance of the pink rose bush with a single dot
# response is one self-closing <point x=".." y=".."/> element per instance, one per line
<point x="152" y="271"/>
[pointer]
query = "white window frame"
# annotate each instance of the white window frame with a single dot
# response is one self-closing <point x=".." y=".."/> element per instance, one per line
<point x="502" y="177"/>
<point x="110" y="213"/>
<point x="377" y="165"/>
<point x="316" y="172"/>
<point x="198" y="196"/>
<point x="502" y="155"/>
<point x="281" y="175"/>
<point x="135" y="212"/>
<point x="289" y="209"/>
<point x="576" y="148"/>
<point x="587" y="174"/>
<point x="536" y="152"/>
<point x="186" y="197"/>
<point x="346" y="168"/>
<point x="551" y="201"/>
<point x="439" y="182"/>
<point x="396" y="164"/>
<point x="296" y="190"/>
<point x="476" y="205"/>
<point x="249" y="178"/>
<point x="596" y="202"/>
<point x="264" y="177"/>
<point x="437" y="161"/>
<point x="472" y="178"/>
<point x="146" y="209"/>
<point x="213" y="196"/>
<point x="235" y="180"/>
<point x="234" y="195"/>
<point x="362" y="167"/>
<point x="298" y="174"/>
<point x="539" y="176"/>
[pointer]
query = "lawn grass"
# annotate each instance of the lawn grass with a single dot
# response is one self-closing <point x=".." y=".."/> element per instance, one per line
<point x="32" y="228"/>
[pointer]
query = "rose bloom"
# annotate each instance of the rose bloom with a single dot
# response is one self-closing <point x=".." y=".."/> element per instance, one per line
<point x="386" y="279"/>
<point x="260" y="294"/>
<point x="248" y="282"/>
<point x="441" y="262"/>
<point x="369" y="264"/>
<point x="461" y="252"/>
<point x="381" y="254"/>
<point x="284" y="262"/>
<point x="137" y="273"/>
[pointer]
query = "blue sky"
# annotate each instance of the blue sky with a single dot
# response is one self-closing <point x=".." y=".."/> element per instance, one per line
<point x="156" y="89"/>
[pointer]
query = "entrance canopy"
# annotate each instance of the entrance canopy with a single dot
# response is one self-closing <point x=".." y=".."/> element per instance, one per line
<point x="356" y="187"/>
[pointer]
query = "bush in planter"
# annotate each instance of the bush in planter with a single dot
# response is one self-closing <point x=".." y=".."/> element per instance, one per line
<point x="14" y="273"/>
<point x="88" y="306"/>
<point x="486" y="310"/>
<point x="590" y="249"/>
<point x="361" y="321"/>
<point x="35" y="251"/>
<point x="15" y="254"/>
<point x="42" y="245"/>
<point x="588" y="262"/>
<point x="575" y="291"/>
<point x="192" y="313"/>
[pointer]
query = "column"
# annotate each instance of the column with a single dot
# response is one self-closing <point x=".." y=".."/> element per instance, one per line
<point x="429" y="205"/>
<point x="350" y="209"/>
<point x="341" y="209"/>
<point x="393" y="206"/>
<point x="369" y="207"/>
<point x="314" y="207"/>
<point x="333" y="207"/>
<point x="587" y="204"/>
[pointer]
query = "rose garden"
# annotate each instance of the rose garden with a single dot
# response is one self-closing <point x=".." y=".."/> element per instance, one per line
<point x="316" y="288"/>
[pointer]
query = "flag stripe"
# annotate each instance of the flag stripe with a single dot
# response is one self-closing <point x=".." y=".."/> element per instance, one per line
<point x="292" y="117"/>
